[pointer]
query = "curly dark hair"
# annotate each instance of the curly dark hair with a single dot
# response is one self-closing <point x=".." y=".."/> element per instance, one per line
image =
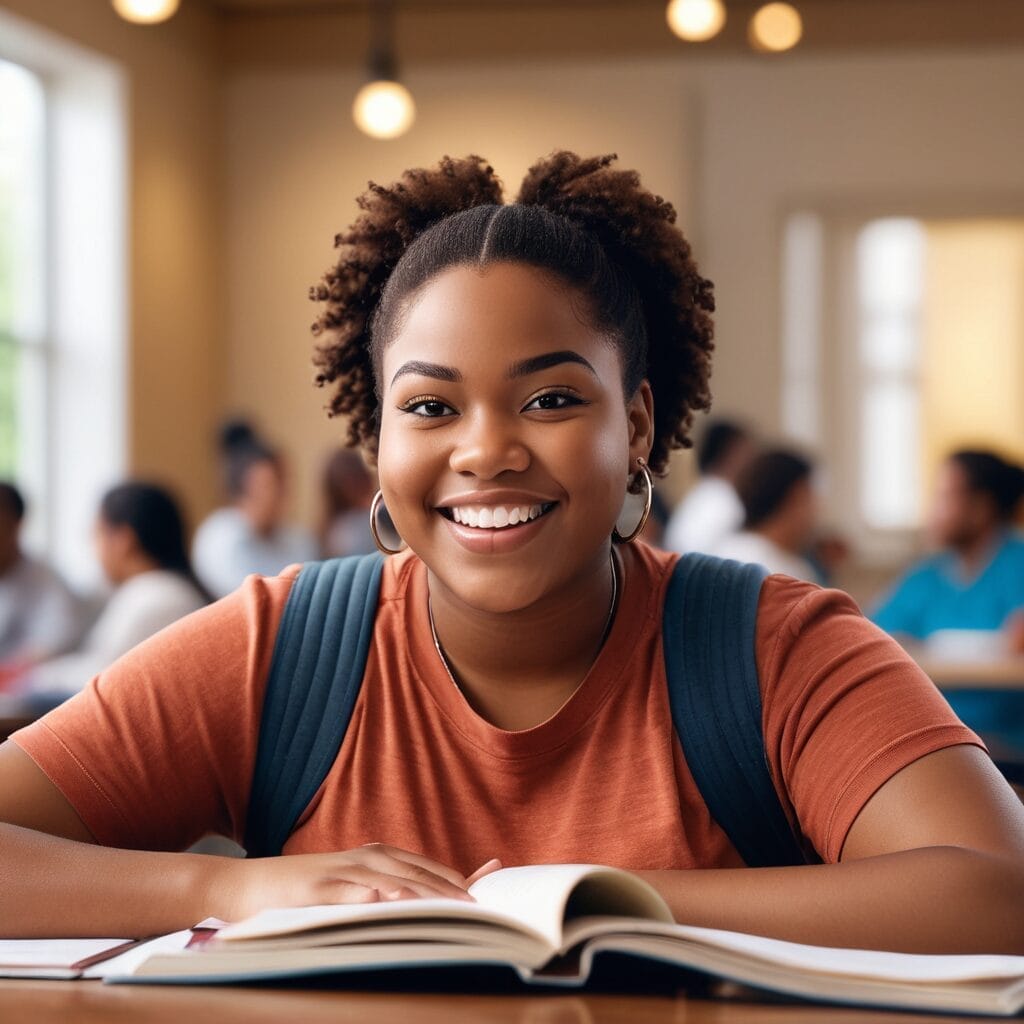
<point x="990" y="474"/>
<point x="591" y="225"/>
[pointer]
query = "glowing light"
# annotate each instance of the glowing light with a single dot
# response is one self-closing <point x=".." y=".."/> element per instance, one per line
<point x="384" y="109"/>
<point x="146" y="12"/>
<point x="776" y="27"/>
<point x="695" y="20"/>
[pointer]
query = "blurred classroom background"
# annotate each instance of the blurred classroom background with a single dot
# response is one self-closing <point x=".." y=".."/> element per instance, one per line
<point x="169" y="193"/>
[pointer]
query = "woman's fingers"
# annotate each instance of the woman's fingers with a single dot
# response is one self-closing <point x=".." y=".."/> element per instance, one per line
<point x="485" y="869"/>
<point x="352" y="892"/>
<point x="395" y="883"/>
<point x="418" y="870"/>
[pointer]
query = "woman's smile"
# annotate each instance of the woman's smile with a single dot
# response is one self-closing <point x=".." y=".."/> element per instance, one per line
<point x="495" y="522"/>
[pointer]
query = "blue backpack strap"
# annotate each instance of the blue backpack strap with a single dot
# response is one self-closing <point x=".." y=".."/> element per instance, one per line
<point x="708" y="630"/>
<point x="315" y="675"/>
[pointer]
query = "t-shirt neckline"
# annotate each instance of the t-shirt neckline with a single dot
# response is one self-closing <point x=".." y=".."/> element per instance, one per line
<point x="636" y="603"/>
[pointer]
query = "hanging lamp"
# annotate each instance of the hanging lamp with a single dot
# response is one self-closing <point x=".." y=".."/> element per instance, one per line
<point x="383" y="107"/>
<point x="145" y="12"/>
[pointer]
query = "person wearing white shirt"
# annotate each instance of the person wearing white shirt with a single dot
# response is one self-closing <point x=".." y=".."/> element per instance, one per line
<point x="780" y="515"/>
<point x="140" y="541"/>
<point x="250" y="536"/>
<point x="711" y="509"/>
<point x="39" y="615"/>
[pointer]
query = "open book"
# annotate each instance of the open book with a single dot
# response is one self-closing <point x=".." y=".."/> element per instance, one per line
<point x="552" y="923"/>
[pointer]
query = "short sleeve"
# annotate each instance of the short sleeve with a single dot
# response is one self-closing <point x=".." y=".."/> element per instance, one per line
<point x="158" y="749"/>
<point x="844" y="707"/>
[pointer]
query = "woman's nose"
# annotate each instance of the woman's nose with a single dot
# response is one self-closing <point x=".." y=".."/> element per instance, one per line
<point x="489" y="446"/>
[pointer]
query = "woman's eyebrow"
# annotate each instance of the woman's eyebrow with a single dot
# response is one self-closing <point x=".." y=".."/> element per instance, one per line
<point x="435" y="370"/>
<point x="544" y="362"/>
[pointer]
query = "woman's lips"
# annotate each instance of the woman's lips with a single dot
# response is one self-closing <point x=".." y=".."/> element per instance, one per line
<point x="495" y="539"/>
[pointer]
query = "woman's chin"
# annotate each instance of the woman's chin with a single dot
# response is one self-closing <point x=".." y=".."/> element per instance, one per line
<point x="493" y="593"/>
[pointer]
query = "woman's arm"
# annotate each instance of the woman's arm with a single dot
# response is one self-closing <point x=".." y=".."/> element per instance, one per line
<point x="55" y="881"/>
<point x="934" y="863"/>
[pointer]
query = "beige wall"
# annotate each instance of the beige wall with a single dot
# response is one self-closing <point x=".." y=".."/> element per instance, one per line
<point x="175" y="357"/>
<point x="973" y="334"/>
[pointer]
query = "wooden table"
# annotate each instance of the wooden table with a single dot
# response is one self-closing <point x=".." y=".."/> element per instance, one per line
<point x="89" y="1002"/>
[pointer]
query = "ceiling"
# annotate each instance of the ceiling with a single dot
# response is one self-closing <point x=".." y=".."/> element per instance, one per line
<point x="335" y="31"/>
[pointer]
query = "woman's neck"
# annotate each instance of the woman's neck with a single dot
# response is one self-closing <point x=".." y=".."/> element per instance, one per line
<point x="516" y="669"/>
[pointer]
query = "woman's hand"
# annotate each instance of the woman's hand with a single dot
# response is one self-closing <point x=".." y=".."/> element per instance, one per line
<point x="368" y="874"/>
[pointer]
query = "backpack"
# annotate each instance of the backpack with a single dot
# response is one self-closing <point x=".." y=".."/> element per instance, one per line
<point x="708" y="637"/>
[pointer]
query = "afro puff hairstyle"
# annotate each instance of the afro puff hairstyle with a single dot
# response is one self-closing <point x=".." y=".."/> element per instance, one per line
<point x="591" y="225"/>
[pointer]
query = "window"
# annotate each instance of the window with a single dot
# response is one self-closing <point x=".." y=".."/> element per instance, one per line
<point x="902" y="339"/>
<point x="890" y="284"/>
<point x="25" y="352"/>
<point x="63" y="286"/>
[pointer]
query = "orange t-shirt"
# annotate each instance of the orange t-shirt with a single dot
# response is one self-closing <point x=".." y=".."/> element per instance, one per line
<point x="159" y="749"/>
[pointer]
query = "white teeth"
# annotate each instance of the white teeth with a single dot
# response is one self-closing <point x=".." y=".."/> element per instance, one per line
<point x="494" y="517"/>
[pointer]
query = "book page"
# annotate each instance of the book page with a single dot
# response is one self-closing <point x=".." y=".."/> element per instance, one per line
<point x="420" y="915"/>
<point x="862" y="963"/>
<point x="125" y="963"/>
<point x="546" y="895"/>
<point x="63" y="953"/>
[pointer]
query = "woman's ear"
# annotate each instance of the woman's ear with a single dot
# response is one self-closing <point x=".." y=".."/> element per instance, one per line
<point x="640" y="415"/>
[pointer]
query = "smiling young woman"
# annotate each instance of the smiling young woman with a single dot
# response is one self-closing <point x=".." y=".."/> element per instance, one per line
<point x="516" y="370"/>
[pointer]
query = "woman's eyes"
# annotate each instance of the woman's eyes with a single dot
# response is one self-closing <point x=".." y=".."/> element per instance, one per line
<point x="434" y="408"/>
<point x="431" y="408"/>
<point x="552" y="400"/>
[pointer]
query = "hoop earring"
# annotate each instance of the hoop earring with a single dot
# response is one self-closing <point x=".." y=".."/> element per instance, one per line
<point x="383" y="528"/>
<point x="625" y="538"/>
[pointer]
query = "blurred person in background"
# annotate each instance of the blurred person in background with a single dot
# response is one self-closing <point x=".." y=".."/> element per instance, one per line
<point x="39" y="616"/>
<point x="348" y="490"/>
<point x="711" y="509"/>
<point x="780" y="514"/>
<point x="140" y="544"/>
<point x="250" y="535"/>
<point x="975" y="580"/>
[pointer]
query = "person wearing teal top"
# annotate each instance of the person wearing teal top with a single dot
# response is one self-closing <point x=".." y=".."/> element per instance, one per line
<point x="942" y="592"/>
<point x="976" y="582"/>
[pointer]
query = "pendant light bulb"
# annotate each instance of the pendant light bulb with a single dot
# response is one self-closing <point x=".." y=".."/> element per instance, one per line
<point x="695" y="20"/>
<point x="776" y="27"/>
<point x="145" y="12"/>
<point x="384" y="109"/>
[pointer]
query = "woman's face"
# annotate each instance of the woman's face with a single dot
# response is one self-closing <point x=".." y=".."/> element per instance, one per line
<point x="506" y="443"/>
<point x="114" y="547"/>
